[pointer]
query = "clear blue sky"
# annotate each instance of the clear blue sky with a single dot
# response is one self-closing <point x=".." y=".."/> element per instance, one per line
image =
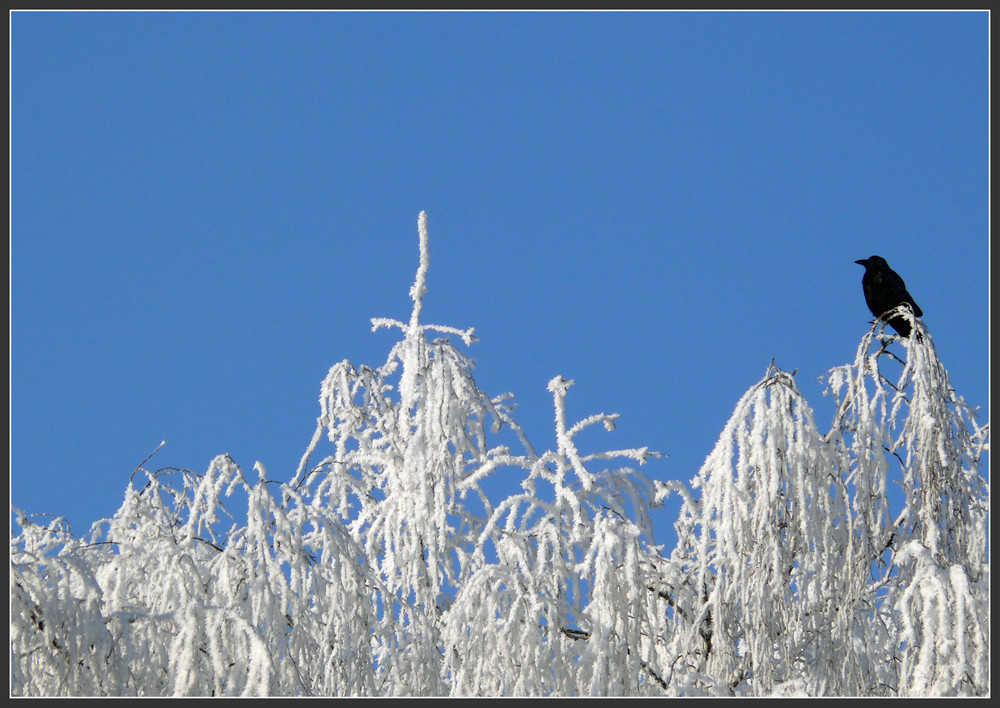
<point x="208" y="208"/>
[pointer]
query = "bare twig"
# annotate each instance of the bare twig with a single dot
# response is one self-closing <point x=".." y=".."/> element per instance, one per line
<point x="139" y="466"/>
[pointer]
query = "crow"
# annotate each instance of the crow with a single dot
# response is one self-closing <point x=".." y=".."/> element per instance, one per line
<point x="885" y="291"/>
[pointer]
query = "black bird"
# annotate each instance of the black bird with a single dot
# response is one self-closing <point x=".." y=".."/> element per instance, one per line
<point x="885" y="291"/>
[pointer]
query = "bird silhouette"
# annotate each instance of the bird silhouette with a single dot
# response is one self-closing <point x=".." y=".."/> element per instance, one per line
<point x="885" y="291"/>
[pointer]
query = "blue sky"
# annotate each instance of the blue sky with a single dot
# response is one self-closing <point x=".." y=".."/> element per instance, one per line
<point x="208" y="208"/>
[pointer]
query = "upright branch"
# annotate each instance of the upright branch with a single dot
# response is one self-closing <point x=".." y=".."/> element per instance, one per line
<point x="419" y="286"/>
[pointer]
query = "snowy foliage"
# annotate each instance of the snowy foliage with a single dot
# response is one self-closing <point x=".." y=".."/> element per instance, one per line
<point x="384" y="567"/>
<point x="792" y="570"/>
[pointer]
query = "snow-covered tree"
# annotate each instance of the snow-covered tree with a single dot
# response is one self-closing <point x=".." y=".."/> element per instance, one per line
<point x="793" y="573"/>
<point x="385" y="567"/>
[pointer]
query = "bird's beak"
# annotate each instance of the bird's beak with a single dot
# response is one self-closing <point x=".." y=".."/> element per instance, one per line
<point x="863" y="261"/>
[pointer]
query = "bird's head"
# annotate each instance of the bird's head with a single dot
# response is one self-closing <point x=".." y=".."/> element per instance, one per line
<point x="875" y="263"/>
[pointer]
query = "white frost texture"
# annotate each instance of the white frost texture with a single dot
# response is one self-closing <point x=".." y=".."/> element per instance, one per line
<point x="389" y="566"/>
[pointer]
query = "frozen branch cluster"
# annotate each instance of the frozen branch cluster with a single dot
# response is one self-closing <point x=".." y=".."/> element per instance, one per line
<point x="387" y="565"/>
<point x="792" y="575"/>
